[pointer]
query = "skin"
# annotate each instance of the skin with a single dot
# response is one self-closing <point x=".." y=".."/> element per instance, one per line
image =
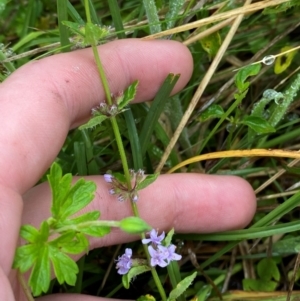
<point x="43" y="100"/>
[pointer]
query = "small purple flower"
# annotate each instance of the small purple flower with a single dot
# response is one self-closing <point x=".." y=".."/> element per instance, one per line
<point x="112" y="191"/>
<point x="124" y="262"/>
<point x="154" y="238"/>
<point x="108" y="178"/>
<point x="158" y="257"/>
<point x="170" y="253"/>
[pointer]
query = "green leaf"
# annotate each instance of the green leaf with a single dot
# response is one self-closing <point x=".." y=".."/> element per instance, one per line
<point x="29" y="233"/>
<point x="133" y="272"/>
<point x="81" y="194"/>
<point x="128" y="95"/>
<point x="147" y="181"/>
<point x="79" y="244"/>
<point x="120" y="177"/>
<point x="60" y="186"/>
<point x="281" y="7"/>
<point x="243" y="74"/>
<point x="40" y="276"/>
<point x="67" y="200"/>
<point x="3" y="5"/>
<point x="25" y="257"/>
<point x="211" y="44"/>
<point x="146" y="298"/>
<point x="94" y="33"/>
<point x="75" y="27"/>
<point x="181" y="287"/>
<point x="95" y="231"/>
<point x="134" y="225"/>
<point x="86" y="217"/>
<point x="282" y="62"/>
<point x="213" y="111"/>
<point x="64" y="267"/>
<point x="267" y="269"/>
<point x="174" y="12"/>
<point x="168" y="238"/>
<point x="156" y="109"/>
<point x="258" y="124"/>
<point x="93" y="122"/>
<point x="259" y="285"/>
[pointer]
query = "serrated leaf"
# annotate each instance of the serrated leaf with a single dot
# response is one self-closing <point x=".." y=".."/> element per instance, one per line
<point x="40" y="276"/>
<point x="267" y="269"/>
<point x="168" y="238"/>
<point x="181" y="287"/>
<point x="243" y="74"/>
<point x="93" y="122"/>
<point x="60" y="186"/>
<point x="213" y="111"/>
<point x="95" y="231"/>
<point x="29" y="233"/>
<point x="86" y="217"/>
<point x="81" y="194"/>
<point x="147" y="181"/>
<point x="77" y="245"/>
<point x="133" y="272"/>
<point x="128" y="96"/>
<point x="25" y="257"/>
<point x="282" y="62"/>
<point x="134" y="225"/>
<point x="64" y="267"/>
<point x="75" y="27"/>
<point x="258" y="124"/>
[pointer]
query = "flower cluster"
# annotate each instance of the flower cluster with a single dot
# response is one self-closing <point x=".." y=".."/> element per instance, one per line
<point x="119" y="187"/>
<point x="160" y="255"/>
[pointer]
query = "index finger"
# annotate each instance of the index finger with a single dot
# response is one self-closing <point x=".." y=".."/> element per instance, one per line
<point x="44" y="99"/>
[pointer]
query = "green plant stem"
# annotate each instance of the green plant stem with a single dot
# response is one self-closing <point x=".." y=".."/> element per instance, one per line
<point x="121" y="149"/>
<point x="97" y="58"/>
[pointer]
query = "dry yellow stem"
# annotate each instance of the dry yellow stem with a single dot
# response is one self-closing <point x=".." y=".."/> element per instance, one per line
<point x="240" y="154"/>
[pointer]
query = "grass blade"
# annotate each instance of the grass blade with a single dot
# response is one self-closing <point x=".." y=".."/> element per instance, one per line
<point x="155" y="110"/>
<point x="62" y="15"/>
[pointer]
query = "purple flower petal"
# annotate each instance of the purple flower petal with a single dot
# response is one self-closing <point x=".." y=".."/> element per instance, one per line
<point x="108" y="178"/>
<point x="157" y="257"/>
<point x="154" y="238"/>
<point x="124" y="262"/>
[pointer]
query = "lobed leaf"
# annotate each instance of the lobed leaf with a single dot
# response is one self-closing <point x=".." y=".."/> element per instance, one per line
<point x="64" y="267"/>
<point x="40" y="276"/>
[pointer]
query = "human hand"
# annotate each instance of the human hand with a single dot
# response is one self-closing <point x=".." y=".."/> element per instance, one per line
<point x="41" y="101"/>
